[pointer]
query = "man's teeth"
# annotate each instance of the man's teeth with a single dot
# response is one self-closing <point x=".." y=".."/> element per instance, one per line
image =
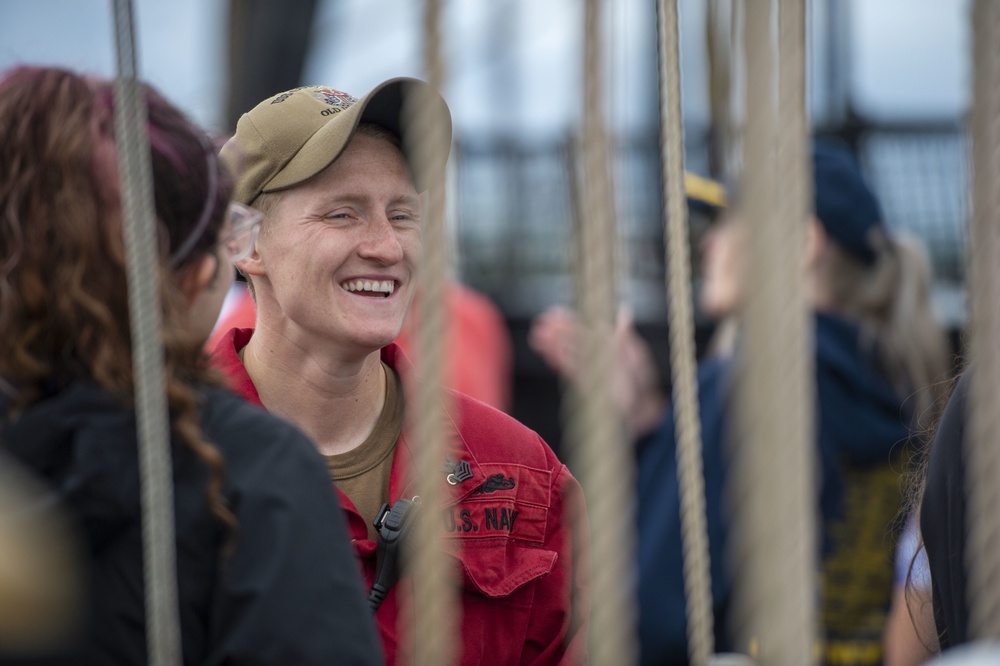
<point x="383" y="286"/>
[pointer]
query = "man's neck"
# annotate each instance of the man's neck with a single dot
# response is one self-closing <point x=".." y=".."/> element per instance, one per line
<point x="336" y="402"/>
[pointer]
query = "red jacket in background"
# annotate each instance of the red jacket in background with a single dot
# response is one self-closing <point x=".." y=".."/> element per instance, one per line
<point x="507" y="526"/>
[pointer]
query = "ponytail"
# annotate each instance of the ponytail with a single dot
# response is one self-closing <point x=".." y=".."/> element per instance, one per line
<point x="891" y="300"/>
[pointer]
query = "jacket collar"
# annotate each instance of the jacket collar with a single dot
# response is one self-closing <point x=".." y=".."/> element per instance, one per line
<point x="460" y="473"/>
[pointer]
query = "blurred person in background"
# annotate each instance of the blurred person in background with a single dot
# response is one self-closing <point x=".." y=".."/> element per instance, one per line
<point x="40" y="573"/>
<point x="880" y="356"/>
<point x="638" y="387"/>
<point x="265" y="573"/>
<point x="645" y="408"/>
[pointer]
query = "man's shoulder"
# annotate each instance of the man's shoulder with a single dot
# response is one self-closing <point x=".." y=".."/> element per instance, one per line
<point x="494" y="436"/>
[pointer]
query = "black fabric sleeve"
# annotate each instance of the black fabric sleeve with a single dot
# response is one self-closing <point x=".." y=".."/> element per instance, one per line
<point x="291" y="591"/>
<point x="942" y="521"/>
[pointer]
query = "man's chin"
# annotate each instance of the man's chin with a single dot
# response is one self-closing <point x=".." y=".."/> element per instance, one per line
<point x="376" y="341"/>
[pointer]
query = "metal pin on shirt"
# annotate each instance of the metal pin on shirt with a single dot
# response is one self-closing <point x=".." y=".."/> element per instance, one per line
<point x="458" y="471"/>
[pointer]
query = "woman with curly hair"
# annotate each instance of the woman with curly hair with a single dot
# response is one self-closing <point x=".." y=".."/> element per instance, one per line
<point x="266" y="574"/>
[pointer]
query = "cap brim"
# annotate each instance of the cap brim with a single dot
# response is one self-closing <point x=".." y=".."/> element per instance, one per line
<point x="704" y="192"/>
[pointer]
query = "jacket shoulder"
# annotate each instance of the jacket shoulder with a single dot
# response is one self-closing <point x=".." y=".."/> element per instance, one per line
<point x="493" y="436"/>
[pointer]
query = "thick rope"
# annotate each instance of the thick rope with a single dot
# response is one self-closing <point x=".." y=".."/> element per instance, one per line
<point x="799" y="557"/>
<point x="434" y="615"/>
<point x="600" y="455"/>
<point x="982" y="449"/>
<point x="156" y="469"/>
<point x="776" y="563"/>
<point x="690" y="473"/>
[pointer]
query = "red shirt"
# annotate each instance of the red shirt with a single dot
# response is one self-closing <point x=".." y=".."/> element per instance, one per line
<point x="507" y="526"/>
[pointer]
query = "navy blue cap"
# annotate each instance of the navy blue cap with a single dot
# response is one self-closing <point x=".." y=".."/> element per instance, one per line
<point x="844" y="204"/>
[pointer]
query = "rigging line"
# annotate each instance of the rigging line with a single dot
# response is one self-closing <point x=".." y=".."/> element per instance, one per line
<point x="434" y="615"/>
<point x="155" y="465"/>
<point x="602" y="460"/>
<point x="773" y="462"/>
<point x="982" y="451"/>
<point x="690" y="472"/>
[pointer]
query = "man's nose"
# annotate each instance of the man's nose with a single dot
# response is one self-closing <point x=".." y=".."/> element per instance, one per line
<point x="380" y="241"/>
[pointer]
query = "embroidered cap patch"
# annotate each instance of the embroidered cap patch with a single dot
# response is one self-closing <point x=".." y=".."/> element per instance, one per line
<point x="334" y="98"/>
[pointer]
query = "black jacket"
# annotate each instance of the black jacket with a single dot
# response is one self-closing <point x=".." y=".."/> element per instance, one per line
<point x="289" y="592"/>
<point x="942" y="521"/>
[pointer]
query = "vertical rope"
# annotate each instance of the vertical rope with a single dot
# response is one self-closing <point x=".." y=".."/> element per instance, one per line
<point x="776" y="562"/>
<point x="156" y="470"/>
<point x="601" y="458"/>
<point x="796" y="391"/>
<point x="982" y="447"/>
<point x="737" y="89"/>
<point x="433" y="616"/>
<point x="694" y="528"/>
<point x="719" y="45"/>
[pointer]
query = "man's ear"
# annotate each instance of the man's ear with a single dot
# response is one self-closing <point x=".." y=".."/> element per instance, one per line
<point x="198" y="275"/>
<point x="253" y="264"/>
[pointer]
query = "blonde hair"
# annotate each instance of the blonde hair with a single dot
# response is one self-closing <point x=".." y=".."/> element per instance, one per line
<point x="892" y="302"/>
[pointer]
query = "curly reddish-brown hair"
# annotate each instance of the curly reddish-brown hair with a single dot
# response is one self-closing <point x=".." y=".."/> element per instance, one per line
<point x="63" y="286"/>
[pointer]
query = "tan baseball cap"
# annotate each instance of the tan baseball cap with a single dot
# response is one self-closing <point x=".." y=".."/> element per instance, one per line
<point x="292" y="136"/>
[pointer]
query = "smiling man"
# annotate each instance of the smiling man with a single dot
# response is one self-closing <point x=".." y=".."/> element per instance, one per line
<point x="333" y="274"/>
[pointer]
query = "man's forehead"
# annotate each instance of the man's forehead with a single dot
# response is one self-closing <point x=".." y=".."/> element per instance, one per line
<point x="356" y="196"/>
<point x="367" y="157"/>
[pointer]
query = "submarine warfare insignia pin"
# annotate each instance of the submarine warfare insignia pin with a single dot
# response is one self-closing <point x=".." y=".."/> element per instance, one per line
<point x="495" y="483"/>
<point x="458" y="471"/>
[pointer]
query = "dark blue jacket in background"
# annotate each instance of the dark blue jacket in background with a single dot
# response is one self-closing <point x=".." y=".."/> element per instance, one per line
<point x="662" y="619"/>
<point x="862" y="425"/>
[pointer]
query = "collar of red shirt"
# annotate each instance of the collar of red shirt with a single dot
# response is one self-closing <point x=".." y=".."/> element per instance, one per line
<point x="459" y="465"/>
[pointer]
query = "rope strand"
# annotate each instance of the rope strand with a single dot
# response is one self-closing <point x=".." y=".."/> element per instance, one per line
<point x="435" y="625"/>
<point x="155" y="464"/>
<point x="772" y="486"/>
<point x="694" y="526"/>
<point x="982" y="451"/>
<point x="602" y="461"/>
